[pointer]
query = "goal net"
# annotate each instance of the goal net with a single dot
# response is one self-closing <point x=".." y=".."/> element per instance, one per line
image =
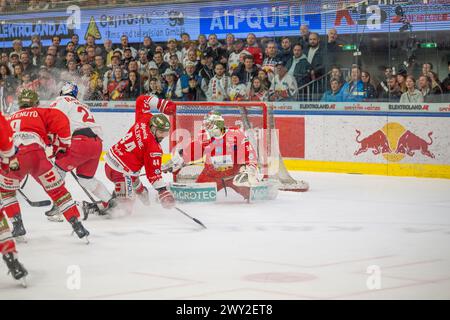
<point x="255" y="119"/>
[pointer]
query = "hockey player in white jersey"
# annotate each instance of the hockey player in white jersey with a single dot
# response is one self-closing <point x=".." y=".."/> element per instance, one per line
<point x="84" y="152"/>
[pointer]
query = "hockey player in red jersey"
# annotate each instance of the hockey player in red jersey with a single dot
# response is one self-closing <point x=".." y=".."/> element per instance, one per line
<point x="32" y="126"/>
<point x="145" y="103"/>
<point x="230" y="159"/>
<point x="140" y="148"/>
<point x="8" y="162"/>
<point x="84" y="152"/>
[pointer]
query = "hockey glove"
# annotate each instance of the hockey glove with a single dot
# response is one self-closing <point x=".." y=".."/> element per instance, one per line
<point x="247" y="177"/>
<point x="166" y="198"/>
<point x="14" y="164"/>
<point x="174" y="164"/>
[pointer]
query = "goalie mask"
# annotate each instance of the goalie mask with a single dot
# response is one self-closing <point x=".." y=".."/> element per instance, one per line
<point x="214" y="124"/>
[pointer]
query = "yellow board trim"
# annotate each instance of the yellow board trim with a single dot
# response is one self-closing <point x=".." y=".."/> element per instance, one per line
<point x="386" y="169"/>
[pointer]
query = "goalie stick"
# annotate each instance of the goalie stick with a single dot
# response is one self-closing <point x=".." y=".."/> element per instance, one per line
<point x="43" y="203"/>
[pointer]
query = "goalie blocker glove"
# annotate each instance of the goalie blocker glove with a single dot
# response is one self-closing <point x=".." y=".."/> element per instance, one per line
<point x="166" y="198"/>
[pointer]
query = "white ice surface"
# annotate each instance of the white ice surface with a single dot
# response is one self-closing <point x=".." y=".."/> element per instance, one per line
<point x="314" y="245"/>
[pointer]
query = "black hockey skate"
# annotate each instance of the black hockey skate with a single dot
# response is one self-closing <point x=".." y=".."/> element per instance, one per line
<point x="18" y="228"/>
<point x="78" y="228"/>
<point x="90" y="208"/>
<point x="54" y="214"/>
<point x="53" y="211"/>
<point x="16" y="269"/>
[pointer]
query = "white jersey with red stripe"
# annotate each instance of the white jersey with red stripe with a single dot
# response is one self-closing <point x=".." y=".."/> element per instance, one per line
<point x="78" y="113"/>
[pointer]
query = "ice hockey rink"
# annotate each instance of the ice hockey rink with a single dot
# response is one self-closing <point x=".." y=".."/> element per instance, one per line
<point x="349" y="237"/>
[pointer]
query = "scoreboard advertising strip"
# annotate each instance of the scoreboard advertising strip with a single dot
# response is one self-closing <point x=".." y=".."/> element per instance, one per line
<point x="264" y="18"/>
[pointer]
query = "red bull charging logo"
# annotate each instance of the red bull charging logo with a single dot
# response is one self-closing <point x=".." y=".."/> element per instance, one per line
<point x="394" y="143"/>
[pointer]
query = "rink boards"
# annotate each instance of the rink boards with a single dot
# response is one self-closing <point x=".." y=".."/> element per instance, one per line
<point x="381" y="138"/>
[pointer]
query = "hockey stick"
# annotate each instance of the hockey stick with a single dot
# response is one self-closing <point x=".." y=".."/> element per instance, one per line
<point x="43" y="203"/>
<point x="187" y="215"/>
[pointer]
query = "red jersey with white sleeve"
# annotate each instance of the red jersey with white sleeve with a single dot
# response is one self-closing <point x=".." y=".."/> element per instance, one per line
<point x="138" y="149"/>
<point x="34" y="125"/>
<point x="224" y="155"/>
<point x="7" y="149"/>
<point x="145" y="103"/>
<point x="79" y="115"/>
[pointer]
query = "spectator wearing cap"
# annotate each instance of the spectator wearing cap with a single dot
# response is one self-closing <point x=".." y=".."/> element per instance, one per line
<point x="127" y="57"/>
<point x="353" y="90"/>
<point x="108" y="51"/>
<point x="254" y="49"/>
<point x="82" y="56"/>
<point x="175" y="65"/>
<point x="195" y="92"/>
<point x="160" y="63"/>
<point x="172" y="49"/>
<point x="286" y="50"/>
<point x="13" y="60"/>
<point x="70" y="47"/>
<point x="271" y="59"/>
<point x="284" y="86"/>
<point x="314" y="55"/>
<point x="17" y="46"/>
<point x="299" y="67"/>
<point x="229" y="43"/>
<point x="233" y="58"/>
<point x="247" y="70"/>
<point x="304" y="36"/>
<point x="182" y="90"/>
<point x="169" y="91"/>
<point x="237" y="91"/>
<point x="218" y="85"/>
<point x="125" y="44"/>
<point x="153" y="71"/>
<point x="185" y="45"/>
<point x="148" y="47"/>
<point x="207" y="69"/>
<point x="36" y="55"/>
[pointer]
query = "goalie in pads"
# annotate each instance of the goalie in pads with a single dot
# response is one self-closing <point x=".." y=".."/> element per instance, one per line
<point x="230" y="160"/>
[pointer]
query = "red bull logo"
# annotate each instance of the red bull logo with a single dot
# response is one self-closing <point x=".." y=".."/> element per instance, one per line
<point x="394" y="142"/>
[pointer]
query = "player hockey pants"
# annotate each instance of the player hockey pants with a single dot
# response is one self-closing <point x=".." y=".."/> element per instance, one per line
<point x="33" y="161"/>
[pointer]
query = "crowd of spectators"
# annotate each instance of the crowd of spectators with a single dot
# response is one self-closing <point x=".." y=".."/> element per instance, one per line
<point x="206" y="69"/>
